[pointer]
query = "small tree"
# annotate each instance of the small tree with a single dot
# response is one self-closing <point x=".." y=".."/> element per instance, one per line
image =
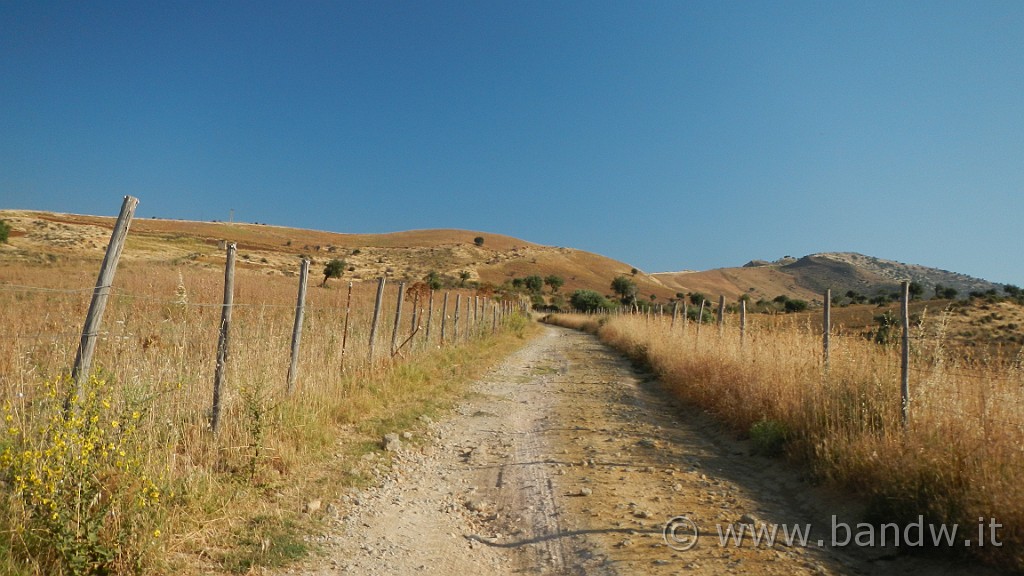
<point x="696" y="298"/>
<point x="555" y="282"/>
<point x="915" y="290"/>
<point x="463" y="276"/>
<point x="334" y="269"/>
<point x="5" y="231"/>
<point x="479" y="240"/>
<point x="625" y="288"/>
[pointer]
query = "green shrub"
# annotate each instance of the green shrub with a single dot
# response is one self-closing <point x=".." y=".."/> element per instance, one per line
<point x="588" y="301"/>
<point x="769" y="437"/>
<point x="5" y="231"/>
<point x="534" y="284"/>
<point x="795" y="305"/>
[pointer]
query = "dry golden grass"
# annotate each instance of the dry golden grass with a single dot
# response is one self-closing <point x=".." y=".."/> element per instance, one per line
<point x="957" y="461"/>
<point x="229" y="494"/>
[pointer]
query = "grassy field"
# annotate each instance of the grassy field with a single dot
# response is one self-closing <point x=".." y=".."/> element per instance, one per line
<point x="958" y="460"/>
<point x="132" y="479"/>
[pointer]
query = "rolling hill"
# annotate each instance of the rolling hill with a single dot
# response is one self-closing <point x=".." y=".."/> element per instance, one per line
<point x="44" y="238"/>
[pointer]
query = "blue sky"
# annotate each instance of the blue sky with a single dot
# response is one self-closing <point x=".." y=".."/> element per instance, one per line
<point x="670" y="135"/>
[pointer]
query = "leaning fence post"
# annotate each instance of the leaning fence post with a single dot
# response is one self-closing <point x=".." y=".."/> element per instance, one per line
<point x="415" y="323"/>
<point x="87" y="344"/>
<point x="225" y="330"/>
<point x="905" y="364"/>
<point x="300" y="304"/>
<point x="398" y="318"/>
<point x="376" y="317"/>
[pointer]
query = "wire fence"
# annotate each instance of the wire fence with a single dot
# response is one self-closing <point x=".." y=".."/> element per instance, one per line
<point x="938" y="365"/>
<point x="161" y="327"/>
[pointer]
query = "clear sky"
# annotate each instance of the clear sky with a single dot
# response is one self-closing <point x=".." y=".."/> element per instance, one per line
<point x="670" y="135"/>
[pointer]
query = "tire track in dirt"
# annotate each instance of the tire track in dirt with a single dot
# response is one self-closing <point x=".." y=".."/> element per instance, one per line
<point x="566" y="460"/>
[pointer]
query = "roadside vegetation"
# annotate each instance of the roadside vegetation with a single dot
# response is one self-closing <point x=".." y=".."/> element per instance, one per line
<point x="958" y="459"/>
<point x="132" y="481"/>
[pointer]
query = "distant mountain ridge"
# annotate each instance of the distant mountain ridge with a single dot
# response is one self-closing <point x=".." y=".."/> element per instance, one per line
<point x="808" y="277"/>
<point x="845" y="271"/>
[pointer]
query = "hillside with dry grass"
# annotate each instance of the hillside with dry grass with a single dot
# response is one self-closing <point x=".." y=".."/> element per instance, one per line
<point x="44" y="237"/>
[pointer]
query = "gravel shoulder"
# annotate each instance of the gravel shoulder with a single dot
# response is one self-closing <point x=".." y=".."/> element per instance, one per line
<point x="567" y="460"/>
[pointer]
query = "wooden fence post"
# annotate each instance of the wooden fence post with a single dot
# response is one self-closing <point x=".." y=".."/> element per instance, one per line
<point x="94" y="317"/>
<point x="444" y="318"/>
<point x="675" y="313"/>
<point x="721" y="312"/>
<point x="743" y="320"/>
<point x="225" y="330"/>
<point x="455" y="322"/>
<point x="300" y="304"/>
<point x="414" y="327"/>
<point x="398" y="318"/>
<point x="826" y="328"/>
<point x="476" y="307"/>
<point x="905" y="364"/>
<point x="376" y="317"/>
<point x="344" y="332"/>
<point x="430" y="317"/>
<point x="700" y="315"/>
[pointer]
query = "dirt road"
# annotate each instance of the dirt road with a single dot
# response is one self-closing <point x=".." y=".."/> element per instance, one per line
<point x="566" y="460"/>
